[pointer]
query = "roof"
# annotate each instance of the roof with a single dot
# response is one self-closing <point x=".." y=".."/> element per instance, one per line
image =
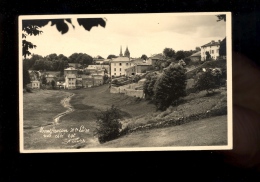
<point x="158" y="56"/>
<point x="212" y="43"/>
<point x="121" y="59"/>
<point x="71" y="68"/>
<point x="50" y="76"/>
<point x="71" y="76"/>
<point x="196" y="54"/>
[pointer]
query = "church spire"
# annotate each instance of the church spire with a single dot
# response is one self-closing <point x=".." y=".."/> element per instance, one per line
<point x="121" y="54"/>
<point x="127" y="53"/>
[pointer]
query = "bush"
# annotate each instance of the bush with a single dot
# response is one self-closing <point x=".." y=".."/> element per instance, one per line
<point x="149" y="84"/>
<point x="108" y="124"/>
<point x="207" y="81"/>
<point x="169" y="87"/>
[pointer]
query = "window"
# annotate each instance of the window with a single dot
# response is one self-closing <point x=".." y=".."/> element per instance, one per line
<point x="126" y="64"/>
<point x="212" y="51"/>
<point x="120" y="69"/>
<point x="120" y="64"/>
<point x="114" y="73"/>
<point x="114" y="69"/>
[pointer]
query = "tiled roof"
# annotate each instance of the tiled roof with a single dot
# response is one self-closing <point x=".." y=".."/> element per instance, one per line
<point x="196" y="54"/>
<point x="120" y="59"/>
<point x="157" y="57"/>
<point x="212" y="43"/>
<point x="71" y="76"/>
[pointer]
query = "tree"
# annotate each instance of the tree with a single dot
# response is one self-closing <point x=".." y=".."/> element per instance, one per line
<point x="207" y="81"/>
<point x="31" y="27"/>
<point x="52" y="84"/>
<point x="180" y="55"/>
<point x="99" y="57"/>
<point x="44" y="80"/>
<point x="144" y="57"/>
<point x="111" y="56"/>
<point x="223" y="48"/>
<point x="109" y="125"/>
<point x="149" y="85"/>
<point x="169" y="52"/>
<point x="208" y="56"/>
<point x="169" y="87"/>
<point x="221" y="17"/>
<point x="26" y="78"/>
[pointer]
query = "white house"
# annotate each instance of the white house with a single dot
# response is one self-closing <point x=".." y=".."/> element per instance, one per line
<point x="35" y="84"/>
<point x="119" y="64"/>
<point x="70" y="81"/>
<point x="213" y="49"/>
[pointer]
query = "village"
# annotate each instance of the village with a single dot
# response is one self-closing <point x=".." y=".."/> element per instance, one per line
<point x="123" y="73"/>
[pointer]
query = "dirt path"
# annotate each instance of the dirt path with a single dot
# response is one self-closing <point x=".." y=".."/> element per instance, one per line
<point x="65" y="103"/>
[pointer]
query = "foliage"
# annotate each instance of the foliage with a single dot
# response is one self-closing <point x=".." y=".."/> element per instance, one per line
<point x="149" y="84"/>
<point x="136" y="78"/>
<point x="52" y="84"/>
<point x="207" y="81"/>
<point x="44" y="80"/>
<point x="109" y="125"/>
<point x="183" y="54"/>
<point x="51" y="62"/>
<point x="223" y="48"/>
<point x="208" y="56"/>
<point x="170" y="86"/>
<point x="82" y="58"/>
<point x="144" y="57"/>
<point x="31" y="27"/>
<point x="187" y="61"/>
<point x="111" y="56"/>
<point x="26" y="77"/>
<point x="221" y="17"/>
<point x="168" y="52"/>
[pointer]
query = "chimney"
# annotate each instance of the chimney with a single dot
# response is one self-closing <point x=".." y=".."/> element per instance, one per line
<point x="212" y="41"/>
<point x="219" y="41"/>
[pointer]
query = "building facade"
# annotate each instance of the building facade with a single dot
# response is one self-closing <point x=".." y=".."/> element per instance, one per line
<point x="70" y="81"/>
<point x="119" y="64"/>
<point x="212" y="48"/>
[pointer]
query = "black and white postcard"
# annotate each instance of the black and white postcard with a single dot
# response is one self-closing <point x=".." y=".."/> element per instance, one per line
<point x="125" y="82"/>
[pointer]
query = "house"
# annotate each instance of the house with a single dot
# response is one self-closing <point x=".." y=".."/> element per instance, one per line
<point x="152" y="60"/>
<point x="213" y="49"/>
<point x="196" y="56"/>
<point x="137" y="69"/>
<point x="98" y="60"/>
<point x="70" y="81"/>
<point x="61" y="84"/>
<point x="119" y="64"/>
<point x="98" y="80"/>
<point x="87" y="81"/>
<point x="73" y="65"/>
<point x="70" y="70"/>
<point x="79" y="82"/>
<point x="92" y="69"/>
<point x="35" y="84"/>
<point x="51" y="78"/>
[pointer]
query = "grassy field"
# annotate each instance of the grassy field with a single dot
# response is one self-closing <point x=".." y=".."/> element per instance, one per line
<point x="206" y="132"/>
<point x="41" y="106"/>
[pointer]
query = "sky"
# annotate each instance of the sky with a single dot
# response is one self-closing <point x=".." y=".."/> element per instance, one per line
<point x="143" y="34"/>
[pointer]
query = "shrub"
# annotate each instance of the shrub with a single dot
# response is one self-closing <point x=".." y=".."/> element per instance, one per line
<point x="169" y="87"/>
<point x="207" y="81"/>
<point x="108" y="124"/>
<point x="149" y="85"/>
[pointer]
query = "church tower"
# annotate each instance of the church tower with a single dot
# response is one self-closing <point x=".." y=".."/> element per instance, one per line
<point x="127" y="53"/>
<point x="121" y="54"/>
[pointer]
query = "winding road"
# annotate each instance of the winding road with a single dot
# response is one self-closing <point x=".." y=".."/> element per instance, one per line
<point x="66" y="103"/>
